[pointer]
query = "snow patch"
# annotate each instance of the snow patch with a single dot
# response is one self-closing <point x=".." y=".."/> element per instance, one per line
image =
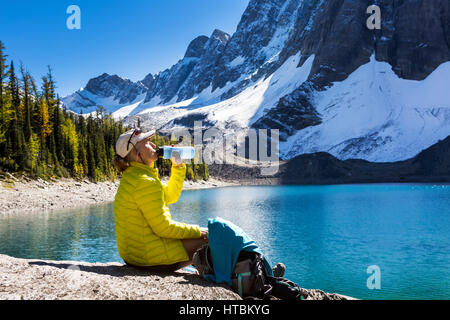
<point x="236" y="62"/>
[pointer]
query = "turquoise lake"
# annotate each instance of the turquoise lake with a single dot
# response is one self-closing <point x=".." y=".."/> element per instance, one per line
<point x="327" y="236"/>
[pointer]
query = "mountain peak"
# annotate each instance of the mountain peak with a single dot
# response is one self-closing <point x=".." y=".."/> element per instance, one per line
<point x="220" y="35"/>
<point x="148" y="80"/>
<point x="103" y="81"/>
<point x="196" y="47"/>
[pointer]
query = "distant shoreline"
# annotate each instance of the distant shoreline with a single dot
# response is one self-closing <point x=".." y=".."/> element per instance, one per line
<point x="26" y="195"/>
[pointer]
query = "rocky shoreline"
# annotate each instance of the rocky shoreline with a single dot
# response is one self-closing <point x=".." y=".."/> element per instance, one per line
<point x="24" y="279"/>
<point x="25" y="195"/>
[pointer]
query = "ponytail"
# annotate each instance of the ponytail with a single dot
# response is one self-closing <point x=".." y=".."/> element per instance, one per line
<point x="121" y="164"/>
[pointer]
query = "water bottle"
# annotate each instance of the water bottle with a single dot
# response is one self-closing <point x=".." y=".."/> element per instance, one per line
<point x="186" y="153"/>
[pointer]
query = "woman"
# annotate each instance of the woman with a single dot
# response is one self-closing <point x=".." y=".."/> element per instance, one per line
<point x="145" y="232"/>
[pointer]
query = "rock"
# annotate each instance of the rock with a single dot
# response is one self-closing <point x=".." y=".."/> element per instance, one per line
<point x="196" y="47"/>
<point x="71" y="280"/>
<point x="38" y="279"/>
<point x="9" y="175"/>
<point x="315" y="294"/>
<point x="148" y="80"/>
<point x="123" y="90"/>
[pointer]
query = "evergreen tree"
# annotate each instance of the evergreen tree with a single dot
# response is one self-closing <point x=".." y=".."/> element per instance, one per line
<point x="44" y="118"/>
<point x="16" y="136"/>
<point x="48" y="93"/>
<point x="91" y="161"/>
<point x="34" y="147"/>
<point x="71" y="138"/>
<point x="26" y="103"/>
<point x="5" y="108"/>
<point x="57" y="134"/>
<point x="3" y="67"/>
<point x="13" y="87"/>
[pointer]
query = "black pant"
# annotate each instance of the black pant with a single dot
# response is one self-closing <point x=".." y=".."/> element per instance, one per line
<point x="164" y="268"/>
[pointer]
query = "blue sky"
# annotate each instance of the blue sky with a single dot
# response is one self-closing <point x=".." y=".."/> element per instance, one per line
<point x="128" y="38"/>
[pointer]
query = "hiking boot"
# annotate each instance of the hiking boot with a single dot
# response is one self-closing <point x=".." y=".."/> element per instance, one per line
<point x="279" y="269"/>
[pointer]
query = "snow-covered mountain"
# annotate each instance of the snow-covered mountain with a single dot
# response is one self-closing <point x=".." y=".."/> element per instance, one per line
<point x="112" y="92"/>
<point x="311" y="69"/>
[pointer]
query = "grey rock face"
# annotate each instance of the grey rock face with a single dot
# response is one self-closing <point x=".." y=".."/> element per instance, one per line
<point x="123" y="90"/>
<point x="415" y="36"/>
<point x="414" y="39"/>
<point x="293" y="112"/>
<point x="167" y="83"/>
<point x="197" y="47"/>
<point x="148" y="80"/>
<point x="193" y="73"/>
<point x="204" y="71"/>
<point x="252" y="42"/>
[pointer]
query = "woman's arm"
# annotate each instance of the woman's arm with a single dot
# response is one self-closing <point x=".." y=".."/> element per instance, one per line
<point x="149" y="197"/>
<point x="175" y="185"/>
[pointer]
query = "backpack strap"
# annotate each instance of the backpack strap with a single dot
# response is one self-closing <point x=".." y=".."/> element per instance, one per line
<point x="210" y="268"/>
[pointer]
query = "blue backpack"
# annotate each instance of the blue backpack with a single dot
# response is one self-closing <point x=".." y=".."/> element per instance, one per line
<point x="231" y="257"/>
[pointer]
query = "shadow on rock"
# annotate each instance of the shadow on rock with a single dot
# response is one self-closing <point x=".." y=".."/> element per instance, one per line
<point x="111" y="270"/>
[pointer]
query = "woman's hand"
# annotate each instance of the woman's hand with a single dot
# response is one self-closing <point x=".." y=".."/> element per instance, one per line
<point x="204" y="232"/>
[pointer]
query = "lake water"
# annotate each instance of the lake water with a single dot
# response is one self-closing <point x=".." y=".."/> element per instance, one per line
<point x="327" y="236"/>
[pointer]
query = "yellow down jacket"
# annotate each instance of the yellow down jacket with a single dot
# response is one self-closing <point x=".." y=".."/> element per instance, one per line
<point x="145" y="232"/>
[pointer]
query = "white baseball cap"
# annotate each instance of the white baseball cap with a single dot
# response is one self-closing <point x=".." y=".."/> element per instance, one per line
<point x="126" y="140"/>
